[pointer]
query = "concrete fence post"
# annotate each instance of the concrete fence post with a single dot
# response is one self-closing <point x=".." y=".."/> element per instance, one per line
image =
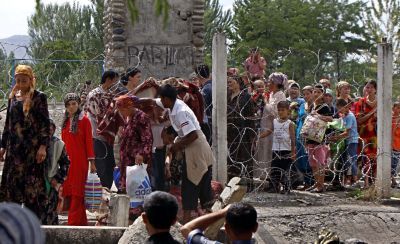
<point x="219" y="100"/>
<point x="384" y="96"/>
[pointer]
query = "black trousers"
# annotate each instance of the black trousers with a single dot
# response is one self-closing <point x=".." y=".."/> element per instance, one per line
<point x="105" y="162"/>
<point x="280" y="169"/>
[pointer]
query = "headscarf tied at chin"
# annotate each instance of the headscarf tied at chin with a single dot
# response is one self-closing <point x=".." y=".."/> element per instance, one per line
<point x="25" y="70"/>
<point x="279" y="78"/>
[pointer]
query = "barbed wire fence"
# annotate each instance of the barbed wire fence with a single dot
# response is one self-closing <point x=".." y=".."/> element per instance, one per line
<point x="356" y="70"/>
<point x="58" y="77"/>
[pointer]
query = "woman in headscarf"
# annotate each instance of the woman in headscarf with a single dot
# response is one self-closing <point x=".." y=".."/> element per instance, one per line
<point x="25" y="140"/>
<point x="276" y="85"/>
<point x="366" y="114"/>
<point x="136" y="137"/>
<point x="240" y="129"/>
<point x="77" y="136"/>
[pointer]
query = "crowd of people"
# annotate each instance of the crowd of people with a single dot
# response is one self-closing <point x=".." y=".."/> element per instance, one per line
<point x="288" y="136"/>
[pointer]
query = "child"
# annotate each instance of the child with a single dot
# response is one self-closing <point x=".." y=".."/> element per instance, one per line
<point x="396" y="140"/>
<point x="283" y="147"/>
<point x="351" y="144"/>
<point x="77" y="135"/>
<point x="317" y="151"/>
<point x="56" y="172"/>
<point x="168" y="136"/>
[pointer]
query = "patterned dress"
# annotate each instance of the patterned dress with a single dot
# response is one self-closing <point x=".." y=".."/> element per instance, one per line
<point x="367" y="130"/>
<point x="136" y="138"/>
<point x="23" y="179"/>
<point x="240" y="130"/>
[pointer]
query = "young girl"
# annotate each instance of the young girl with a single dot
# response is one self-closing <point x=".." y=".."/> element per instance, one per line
<point x="77" y="135"/>
<point x="318" y="152"/>
<point x="343" y="91"/>
<point x="283" y="147"/>
<point x="302" y="157"/>
<point x="396" y="141"/>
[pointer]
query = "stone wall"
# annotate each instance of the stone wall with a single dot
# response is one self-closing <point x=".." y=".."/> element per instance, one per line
<point x="158" y="50"/>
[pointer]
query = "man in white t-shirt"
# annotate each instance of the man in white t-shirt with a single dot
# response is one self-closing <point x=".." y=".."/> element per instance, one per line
<point x="196" y="175"/>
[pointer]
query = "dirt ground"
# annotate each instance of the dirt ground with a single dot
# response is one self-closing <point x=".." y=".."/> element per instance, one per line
<point x="299" y="216"/>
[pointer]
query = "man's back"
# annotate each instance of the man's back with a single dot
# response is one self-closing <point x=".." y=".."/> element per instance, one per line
<point x="162" y="238"/>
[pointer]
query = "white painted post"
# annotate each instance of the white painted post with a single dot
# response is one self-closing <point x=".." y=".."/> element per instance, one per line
<point x="384" y="96"/>
<point x="219" y="101"/>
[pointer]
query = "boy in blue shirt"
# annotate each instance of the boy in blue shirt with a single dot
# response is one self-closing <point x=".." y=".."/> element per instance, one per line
<point x="351" y="136"/>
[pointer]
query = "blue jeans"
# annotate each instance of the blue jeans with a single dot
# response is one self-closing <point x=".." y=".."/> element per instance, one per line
<point x="351" y="159"/>
<point x="395" y="162"/>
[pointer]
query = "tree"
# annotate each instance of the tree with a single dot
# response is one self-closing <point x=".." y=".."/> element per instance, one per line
<point x="215" y="20"/>
<point x="382" y="21"/>
<point x="78" y="25"/>
<point x="306" y="39"/>
<point x="161" y="7"/>
<point x="62" y="38"/>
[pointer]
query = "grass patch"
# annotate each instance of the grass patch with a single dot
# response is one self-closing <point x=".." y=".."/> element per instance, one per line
<point x="369" y="194"/>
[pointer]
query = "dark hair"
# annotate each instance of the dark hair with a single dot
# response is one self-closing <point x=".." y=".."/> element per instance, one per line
<point x="372" y="82"/>
<point x="283" y="104"/>
<point x="202" y="71"/>
<point x="395" y="104"/>
<point x="124" y="79"/>
<point x="254" y="49"/>
<point x="109" y="74"/>
<point x="341" y="103"/>
<point x="320" y="87"/>
<point x="241" y="217"/>
<point x="132" y="72"/>
<point x="168" y="91"/>
<point x="239" y="80"/>
<point x="170" y="131"/>
<point x="161" y="209"/>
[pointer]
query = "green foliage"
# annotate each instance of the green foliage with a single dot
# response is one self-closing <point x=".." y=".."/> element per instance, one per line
<point x="161" y="8"/>
<point x="306" y="39"/>
<point x="66" y="32"/>
<point x="216" y="20"/>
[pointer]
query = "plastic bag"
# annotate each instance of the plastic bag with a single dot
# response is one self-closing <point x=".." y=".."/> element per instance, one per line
<point x="313" y="129"/>
<point x="137" y="184"/>
<point x="93" y="192"/>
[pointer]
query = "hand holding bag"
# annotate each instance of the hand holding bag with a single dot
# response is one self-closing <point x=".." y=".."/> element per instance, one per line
<point x="313" y="128"/>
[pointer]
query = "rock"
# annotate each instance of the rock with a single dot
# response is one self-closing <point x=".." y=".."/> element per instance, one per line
<point x="118" y="45"/>
<point x="119" y="208"/>
<point x="118" y="31"/>
<point x="118" y="38"/>
<point x="137" y="234"/>
<point x="234" y="192"/>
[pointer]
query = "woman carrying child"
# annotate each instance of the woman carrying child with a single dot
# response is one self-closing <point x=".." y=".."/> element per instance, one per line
<point x="318" y="152"/>
<point x="77" y="136"/>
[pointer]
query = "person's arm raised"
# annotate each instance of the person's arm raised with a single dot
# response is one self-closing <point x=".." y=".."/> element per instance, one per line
<point x="203" y="222"/>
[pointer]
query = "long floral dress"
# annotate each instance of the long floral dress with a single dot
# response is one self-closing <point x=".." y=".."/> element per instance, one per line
<point x="136" y="138"/>
<point x="240" y="130"/>
<point x="367" y="132"/>
<point x="23" y="179"/>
